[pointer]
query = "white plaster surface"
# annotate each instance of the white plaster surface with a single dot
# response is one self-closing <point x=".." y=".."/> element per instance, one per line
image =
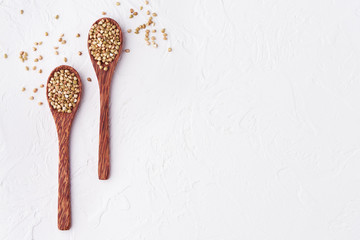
<point x="248" y="130"/>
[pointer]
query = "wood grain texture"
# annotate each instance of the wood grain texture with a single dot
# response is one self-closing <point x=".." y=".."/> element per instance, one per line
<point x="63" y="123"/>
<point x="104" y="80"/>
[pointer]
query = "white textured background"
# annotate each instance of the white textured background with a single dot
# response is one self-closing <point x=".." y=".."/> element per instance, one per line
<point x="248" y="130"/>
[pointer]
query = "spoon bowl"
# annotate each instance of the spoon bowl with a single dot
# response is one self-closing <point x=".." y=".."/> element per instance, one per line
<point x="104" y="80"/>
<point x="63" y="123"/>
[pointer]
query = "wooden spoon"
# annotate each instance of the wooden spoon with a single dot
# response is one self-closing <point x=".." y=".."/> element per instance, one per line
<point x="104" y="80"/>
<point x="63" y="125"/>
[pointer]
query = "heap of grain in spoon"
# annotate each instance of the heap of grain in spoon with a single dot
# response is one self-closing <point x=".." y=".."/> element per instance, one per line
<point x="104" y="42"/>
<point x="63" y="91"/>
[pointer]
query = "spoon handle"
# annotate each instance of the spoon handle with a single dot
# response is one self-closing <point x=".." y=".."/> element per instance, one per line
<point x="104" y="134"/>
<point x="64" y="209"/>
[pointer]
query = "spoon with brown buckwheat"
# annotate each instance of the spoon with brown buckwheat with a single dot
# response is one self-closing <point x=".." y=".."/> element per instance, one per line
<point x="63" y="91"/>
<point x="104" y="45"/>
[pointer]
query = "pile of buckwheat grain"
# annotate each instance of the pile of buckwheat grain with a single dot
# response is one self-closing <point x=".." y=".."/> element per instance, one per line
<point x="104" y="42"/>
<point x="63" y="91"/>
